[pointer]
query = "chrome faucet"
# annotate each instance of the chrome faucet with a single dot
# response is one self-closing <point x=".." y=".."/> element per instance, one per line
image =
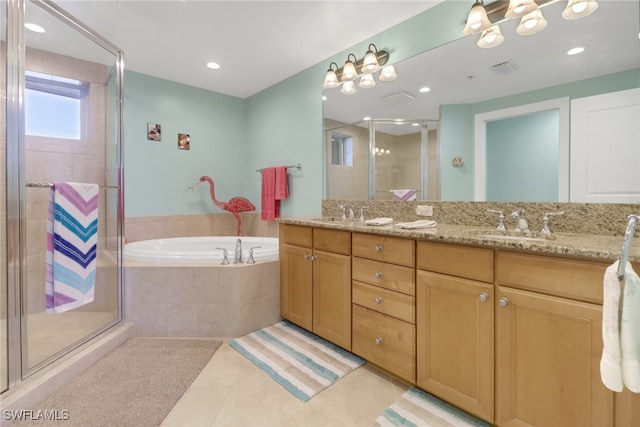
<point x="251" y="260"/>
<point x="500" y="228"/>
<point x="522" y="226"/>
<point x="237" y="255"/>
<point x="343" y="212"/>
<point x="225" y="252"/>
<point x="361" y="217"/>
<point x="546" y="232"/>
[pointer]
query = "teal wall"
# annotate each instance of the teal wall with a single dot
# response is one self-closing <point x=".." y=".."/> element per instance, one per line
<point x="231" y="138"/>
<point x="157" y="174"/>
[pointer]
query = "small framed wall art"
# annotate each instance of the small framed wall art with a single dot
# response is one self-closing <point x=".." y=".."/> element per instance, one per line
<point x="153" y="132"/>
<point x="183" y="141"/>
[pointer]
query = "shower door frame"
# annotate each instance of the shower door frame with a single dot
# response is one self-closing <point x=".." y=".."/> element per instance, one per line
<point x="18" y="368"/>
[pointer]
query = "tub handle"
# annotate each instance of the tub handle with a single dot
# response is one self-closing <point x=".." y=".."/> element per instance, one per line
<point x="251" y="260"/>
<point x="225" y="252"/>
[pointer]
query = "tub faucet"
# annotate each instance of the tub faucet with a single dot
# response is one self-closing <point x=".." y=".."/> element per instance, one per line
<point x="237" y="255"/>
<point x="522" y="226"/>
<point x="251" y="260"/>
<point x="225" y="260"/>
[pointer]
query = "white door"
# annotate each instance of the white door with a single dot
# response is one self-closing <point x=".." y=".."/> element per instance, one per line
<point x="605" y="148"/>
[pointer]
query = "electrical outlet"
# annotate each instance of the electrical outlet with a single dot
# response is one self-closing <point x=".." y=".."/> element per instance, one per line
<point x="423" y="210"/>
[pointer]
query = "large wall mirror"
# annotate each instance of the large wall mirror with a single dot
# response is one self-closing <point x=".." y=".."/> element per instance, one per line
<point x="501" y="124"/>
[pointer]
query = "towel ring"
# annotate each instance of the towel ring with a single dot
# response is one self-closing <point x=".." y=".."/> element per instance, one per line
<point x="626" y="245"/>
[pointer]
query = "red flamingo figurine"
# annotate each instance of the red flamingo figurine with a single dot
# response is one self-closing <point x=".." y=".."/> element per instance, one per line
<point x="235" y="205"/>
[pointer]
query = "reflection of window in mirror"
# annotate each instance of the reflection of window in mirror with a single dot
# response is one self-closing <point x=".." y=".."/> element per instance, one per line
<point x="341" y="149"/>
<point x="53" y="105"/>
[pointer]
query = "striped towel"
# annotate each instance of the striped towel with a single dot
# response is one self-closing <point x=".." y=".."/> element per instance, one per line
<point x="72" y="236"/>
<point x="404" y="195"/>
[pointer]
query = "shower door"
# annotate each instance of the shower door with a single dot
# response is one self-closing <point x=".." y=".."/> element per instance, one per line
<point x="67" y="127"/>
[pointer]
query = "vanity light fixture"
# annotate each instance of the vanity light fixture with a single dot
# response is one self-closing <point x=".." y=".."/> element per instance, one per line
<point x="529" y="11"/>
<point x="372" y="61"/>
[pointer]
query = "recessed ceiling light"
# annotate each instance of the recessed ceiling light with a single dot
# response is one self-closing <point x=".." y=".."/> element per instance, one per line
<point x="575" y="50"/>
<point x="425" y="89"/>
<point x="324" y="98"/>
<point x="213" y="65"/>
<point x="366" y="118"/>
<point x="34" y="27"/>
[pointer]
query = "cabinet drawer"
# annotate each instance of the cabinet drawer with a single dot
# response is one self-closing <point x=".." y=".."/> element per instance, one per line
<point x="390" y="276"/>
<point x="384" y="248"/>
<point x="387" y="342"/>
<point x="296" y="235"/>
<point x="575" y="279"/>
<point x="335" y="241"/>
<point x="392" y="303"/>
<point x="456" y="260"/>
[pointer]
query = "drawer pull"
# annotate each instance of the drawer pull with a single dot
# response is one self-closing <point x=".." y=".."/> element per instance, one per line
<point x="307" y="256"/>
<point x="378" y="248"/>
<point x="378" y="300"/>
<point x="379" y="340"/>
<point x="503" y="302"/>
<point x="313" y="257"/>
<point x="378" y="274"/>
<point x="484" y="296"/>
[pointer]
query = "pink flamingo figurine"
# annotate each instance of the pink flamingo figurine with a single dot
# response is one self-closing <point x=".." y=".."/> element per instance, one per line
<point x="235" y="205"/>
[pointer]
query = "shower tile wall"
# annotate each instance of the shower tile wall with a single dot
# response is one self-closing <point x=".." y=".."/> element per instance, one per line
<point x="52" y="159"/>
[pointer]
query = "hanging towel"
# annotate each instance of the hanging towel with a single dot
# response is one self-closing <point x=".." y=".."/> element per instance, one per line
<point x="378" y="221"/>
<point x="416" y="224"/>
<point x="270" y="206"/>
<point x="610" y="362"/>
<point x="282" y="187"/>
<point x="72" y="237"/>
<point x="404" y="195"/>
<point x="630" y="330"/>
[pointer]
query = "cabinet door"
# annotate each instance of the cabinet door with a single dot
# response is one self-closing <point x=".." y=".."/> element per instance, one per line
<point x="455" y="341"/>
<point x="296" y="284"/>
<point x="548" y="362"/>
<point x="332" y="297"/>
<point x="627" y="409"/>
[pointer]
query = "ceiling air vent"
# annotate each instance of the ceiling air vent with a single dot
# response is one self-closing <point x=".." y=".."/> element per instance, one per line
<point x="505" y="67"/>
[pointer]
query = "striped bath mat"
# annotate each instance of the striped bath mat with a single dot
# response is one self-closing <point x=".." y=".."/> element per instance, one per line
<point x="300" y="361"/>
<point x="420" y="409"/>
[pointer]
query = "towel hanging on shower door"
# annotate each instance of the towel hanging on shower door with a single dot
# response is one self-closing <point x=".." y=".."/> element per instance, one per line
<point x="72" y="237"/>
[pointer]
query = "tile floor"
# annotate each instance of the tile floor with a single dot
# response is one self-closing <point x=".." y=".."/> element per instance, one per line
<point x="231" y="391"/>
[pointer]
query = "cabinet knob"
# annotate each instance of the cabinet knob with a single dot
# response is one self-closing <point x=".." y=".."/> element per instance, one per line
<point x="378" y="300"/>
<point x="378" y="274"/>
<point x="378" y="248"/>
<point x="483" y="297"/>
<point x="307" y="256"/>
<point x="503" y="302"/>
<point x="379" y="340"/>
<point x="313" y="257"/>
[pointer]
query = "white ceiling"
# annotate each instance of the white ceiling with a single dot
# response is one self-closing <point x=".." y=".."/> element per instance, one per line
<point x="256" y="43"/>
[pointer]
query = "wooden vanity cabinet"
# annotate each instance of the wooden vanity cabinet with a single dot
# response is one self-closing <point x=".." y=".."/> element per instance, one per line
<point x="315" y="277"/>
<point x="455" y="325"/>
<point x="549" y="342"/>
<point x="383" y="291"/>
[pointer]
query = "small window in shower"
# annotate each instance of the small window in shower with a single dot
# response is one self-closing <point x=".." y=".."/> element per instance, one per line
<point x="341" y="149"/>
<point x="53" y="105"/>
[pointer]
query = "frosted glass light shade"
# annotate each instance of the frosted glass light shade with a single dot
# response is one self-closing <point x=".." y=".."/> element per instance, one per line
<point x="388" y="74"/>
<point x="330" y="80"/>
<point x="477" y="20"/>
<point x="518" y="8"/>
<point x="367" y="81"/>
<point x="532" y="23"/>
<point x="348" y="88"/>
<point x="370" y="62"/>
<point x="577" y="9"/>
<point x="349" y="71"/>
<point x="491" y="38"/>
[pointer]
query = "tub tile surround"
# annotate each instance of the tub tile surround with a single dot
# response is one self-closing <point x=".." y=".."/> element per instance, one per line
<point x="201" y="301"/>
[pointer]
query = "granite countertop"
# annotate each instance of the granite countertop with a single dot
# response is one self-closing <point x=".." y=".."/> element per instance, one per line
<point x="595" y="246"/>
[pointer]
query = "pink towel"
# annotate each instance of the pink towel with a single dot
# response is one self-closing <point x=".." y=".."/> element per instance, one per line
<point x="282" y="188"/>
<point x="270" y="206"/>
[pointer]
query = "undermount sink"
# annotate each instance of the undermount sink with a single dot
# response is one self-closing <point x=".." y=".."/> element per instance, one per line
<point x="519" y="238"/>
<point x="531" y="236"/>
<point x="327" y="219"/>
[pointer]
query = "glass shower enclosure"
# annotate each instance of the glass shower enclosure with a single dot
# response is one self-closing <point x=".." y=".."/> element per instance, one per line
<point x="62" y="115"/>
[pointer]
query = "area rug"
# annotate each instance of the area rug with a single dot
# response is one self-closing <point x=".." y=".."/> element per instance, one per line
<point x="136" y="385"/>
<point x="303" y="363"/>
<point x="420" y="409"/>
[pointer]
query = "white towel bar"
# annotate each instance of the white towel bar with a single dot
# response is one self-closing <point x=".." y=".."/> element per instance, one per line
<point x="626" y="245"/>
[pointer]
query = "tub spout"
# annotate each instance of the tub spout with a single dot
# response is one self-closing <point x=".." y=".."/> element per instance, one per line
<point x="237" y="257"/>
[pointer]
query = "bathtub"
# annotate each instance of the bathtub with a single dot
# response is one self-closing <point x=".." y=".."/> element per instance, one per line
<point x="200" y="250"/>
<point x="177" y="287"/>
